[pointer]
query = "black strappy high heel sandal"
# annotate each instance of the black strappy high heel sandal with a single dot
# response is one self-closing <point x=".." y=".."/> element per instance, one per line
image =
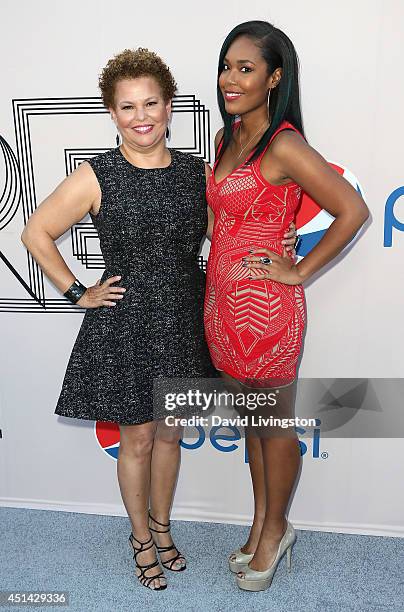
<point x="143" y="579"/>
<point x="162" y="549"/>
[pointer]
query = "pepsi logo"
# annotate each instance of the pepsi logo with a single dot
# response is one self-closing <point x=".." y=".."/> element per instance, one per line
<point x="312" y="221"/>
<point x="107" y="436"/>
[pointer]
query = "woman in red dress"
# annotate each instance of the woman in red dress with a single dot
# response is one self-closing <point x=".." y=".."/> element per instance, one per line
<point x="254" y="304"/>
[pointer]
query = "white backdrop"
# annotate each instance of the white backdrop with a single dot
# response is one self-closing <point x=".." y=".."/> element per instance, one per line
<point x="352" y="94"/>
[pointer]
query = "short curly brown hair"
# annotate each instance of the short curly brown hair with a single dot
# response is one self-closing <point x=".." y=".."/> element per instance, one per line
<point x="131" y="64"/>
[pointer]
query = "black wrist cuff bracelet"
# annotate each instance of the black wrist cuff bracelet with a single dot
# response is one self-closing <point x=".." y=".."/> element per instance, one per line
<point x="75" y="292"/>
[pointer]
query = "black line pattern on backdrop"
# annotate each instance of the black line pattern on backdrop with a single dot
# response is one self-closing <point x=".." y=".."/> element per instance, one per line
<point x="23" y="189"/>
<point x="11" y="196"/>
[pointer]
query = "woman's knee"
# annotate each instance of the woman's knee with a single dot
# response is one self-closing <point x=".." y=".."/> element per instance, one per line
<point x="169" y="434"/>
<point x="136" y="440"/>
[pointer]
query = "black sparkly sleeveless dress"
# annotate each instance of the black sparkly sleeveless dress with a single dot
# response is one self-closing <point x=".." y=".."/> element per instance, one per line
<point x="150" y="225"/>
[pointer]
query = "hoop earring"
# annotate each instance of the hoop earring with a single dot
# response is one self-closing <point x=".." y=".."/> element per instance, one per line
<point x="269" y="98"/>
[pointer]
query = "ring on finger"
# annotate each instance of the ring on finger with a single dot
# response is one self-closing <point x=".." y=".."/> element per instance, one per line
<point x="265" y="260"/>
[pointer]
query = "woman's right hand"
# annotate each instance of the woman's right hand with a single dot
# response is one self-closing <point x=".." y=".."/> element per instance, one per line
<point x="102" y="294"/>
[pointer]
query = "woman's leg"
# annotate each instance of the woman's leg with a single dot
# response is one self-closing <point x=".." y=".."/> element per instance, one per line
<point x="281" y="461"/>
<point x="256" y="466"/>
<point x="134" y="461"/>
<point x="165" y="465"/>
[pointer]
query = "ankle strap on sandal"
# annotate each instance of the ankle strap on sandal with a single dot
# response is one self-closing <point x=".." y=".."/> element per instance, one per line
<point x="161" y="525"/>
<point x="142" y="544"/>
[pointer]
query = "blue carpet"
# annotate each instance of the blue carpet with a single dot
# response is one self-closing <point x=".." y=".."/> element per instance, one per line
<point x="89" y="556"/>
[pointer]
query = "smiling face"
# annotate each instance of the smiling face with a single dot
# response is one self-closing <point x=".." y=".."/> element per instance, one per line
<point x="244" y="81"/>
<point x="140" y="113"/>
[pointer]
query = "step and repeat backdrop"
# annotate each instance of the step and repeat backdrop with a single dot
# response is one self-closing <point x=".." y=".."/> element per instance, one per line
<point x="52" y="119"/>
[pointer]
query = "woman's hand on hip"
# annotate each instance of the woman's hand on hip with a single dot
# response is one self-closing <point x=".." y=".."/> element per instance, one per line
<point x="102" y="294"/>
<point x="290" y="238"/>
<point x="268" y="265"/>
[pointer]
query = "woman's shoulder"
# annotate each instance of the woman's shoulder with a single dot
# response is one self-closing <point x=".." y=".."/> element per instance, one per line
<point x="218" y="137"/>
<point x="285" y="138"/>
<point x="189" y="160"/>
<point x="287" y="144"/>
<point x="285" y="126"/>
<point x="104" y="166"/>
<point x="105" y="158"/>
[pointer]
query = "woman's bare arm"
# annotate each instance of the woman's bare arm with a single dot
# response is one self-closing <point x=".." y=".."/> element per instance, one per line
<point x="211" y="216"/>
<point x="208" y="172"/>
<point x="67" y="205"/>
<point x="330" y="190"/>
<point x="304" y="165"/>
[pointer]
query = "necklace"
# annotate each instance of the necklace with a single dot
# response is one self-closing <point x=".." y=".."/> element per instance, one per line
<point x="251" y="139"/>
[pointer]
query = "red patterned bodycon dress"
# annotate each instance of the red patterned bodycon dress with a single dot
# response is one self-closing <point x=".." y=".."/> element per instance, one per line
<point x="253" y="327"/>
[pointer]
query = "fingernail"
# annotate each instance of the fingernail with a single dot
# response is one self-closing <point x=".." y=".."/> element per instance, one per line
<point x="244" y="264"/>
<point x="244" y="258"/>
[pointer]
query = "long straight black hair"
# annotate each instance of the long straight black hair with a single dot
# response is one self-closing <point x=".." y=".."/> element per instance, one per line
<point x="284" y="102"/>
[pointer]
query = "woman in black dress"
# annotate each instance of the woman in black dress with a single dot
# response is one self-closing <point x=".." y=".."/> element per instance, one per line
<point x="144" y="317"/>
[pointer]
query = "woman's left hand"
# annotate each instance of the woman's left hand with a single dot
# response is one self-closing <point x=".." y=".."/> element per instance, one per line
<point x="279" y="268"/>
<point x="289" y="238"/>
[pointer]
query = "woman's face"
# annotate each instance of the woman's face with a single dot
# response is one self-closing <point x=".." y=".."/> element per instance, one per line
<point x="140" y="113"/>
<point x="244" y="81"/>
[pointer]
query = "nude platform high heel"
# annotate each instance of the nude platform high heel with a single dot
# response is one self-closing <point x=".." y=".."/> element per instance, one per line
<point x="240" y="562"/>
<point x="254" y="580"/>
